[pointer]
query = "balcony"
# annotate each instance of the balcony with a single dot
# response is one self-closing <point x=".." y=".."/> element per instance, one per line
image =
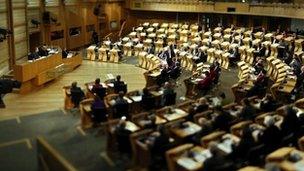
<point x="293" y="9"/>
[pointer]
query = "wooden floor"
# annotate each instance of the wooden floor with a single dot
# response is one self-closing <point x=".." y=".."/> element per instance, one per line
<point x="50" y="97"/>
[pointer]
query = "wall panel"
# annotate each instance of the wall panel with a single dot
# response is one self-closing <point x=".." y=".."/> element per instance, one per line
<point x="20" y="28"/>
<point x="4" y="51"/>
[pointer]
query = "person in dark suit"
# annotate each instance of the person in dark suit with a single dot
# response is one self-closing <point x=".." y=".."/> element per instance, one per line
<point x="247" y="141"/>
<point x="168" y="94"/>
<point x="98" y="89"/>
<point x="95" y="38"/>
<point x="290" y="122"/>
<point x="119" y="85"/>
<point x="147" y="100"/>
<point x="65" y="53"/>
<point x="248" y="112"/>
<point x="121" y="106"/>
<point x="218" y="161"/>
<point x="7" y="86"/>
<point x="122" y="136"/>
<point x="271" y="136"/>
<point x="99" y="112"/>
<point x="202" y="105"/>
<point x="77" y="95"/>
<point x="222" y="120"/>
<point x="269" y="104"/>
<point x="175" y="72"/>
<point x="42" y="51"/>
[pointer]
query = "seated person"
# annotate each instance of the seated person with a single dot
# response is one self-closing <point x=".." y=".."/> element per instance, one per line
<point x="269" y="104"/>
<point x="147" y="100"/>
<point x="205" y="84"/>
<point x="259" y="66"/>
<point x="291" y="123"/>
<point x="202" y="105"/>
<point x="215" y="71"/>
<point x="223" y="119"/>
<point x="98" y="89"/>
<point x="248" y="111"/>
<point x="121" y="106"/>
<point x="159" y="142"/>
<point x="33" y="55"/>
<point x="234" y="55"/>
<point x="65" y="53"/>
<point x="169" y="95"/>
<point x="77" y="95"/>
<point x="259" y="85"/>
<point x="175" y="72"/>
<point x="218" y="161"/>
<point x="272" y="135"/>
<point x="99" y="112"/>
<point x="42" y="51"/>
<point x="247" y="141"/>
<point x="207" y="128"/>
<point x="119" y="85"/>
<point x="7" y="86"/>
<point x="122" y="135"/>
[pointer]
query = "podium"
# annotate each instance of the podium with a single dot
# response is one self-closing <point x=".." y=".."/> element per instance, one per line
<point x="210" y="57"/>
<point x="250" y="56"/>
<point x="225" y="46"/>
<point x="114" y="57"/>
<point x="242" y="50"/>
<point x="184" y="36"/>
<point x="217" y="36"/>
<point x="227" y="31"/>
<point x="268" y="37"/>
<point x="172" y="38"/>
<point x="274" y="49"/>
<point x="183" y="56"/>
<point x="142" y="59"/>
<point x="258" y="35"/>
<point x="218" y="30"/>
<point x="91" y="52"/>
<point x="147" y="43"/>
<point x="207" y="35"/>
<point x="139" y="29"/>
<point x="227" y="37"/>
<point x="138" y="48"/>
<point x="299" y="45"/>
<point x="103" y="56"/>
<point x="159" y="46"/>
<point x="127" y="49"/>
<point x="246" y="41"/>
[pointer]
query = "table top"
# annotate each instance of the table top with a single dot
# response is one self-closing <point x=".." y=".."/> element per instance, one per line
<point x="176" y="114"/>
<point x="191" y="129"/>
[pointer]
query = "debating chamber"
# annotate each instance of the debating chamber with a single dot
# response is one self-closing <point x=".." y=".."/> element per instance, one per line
<point x="152" y="85"/>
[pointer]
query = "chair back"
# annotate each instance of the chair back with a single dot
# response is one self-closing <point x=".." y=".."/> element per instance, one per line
<point x="100" y="115"/>
<point x="169" y="99"/>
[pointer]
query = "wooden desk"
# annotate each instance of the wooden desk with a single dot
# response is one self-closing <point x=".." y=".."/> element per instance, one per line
<point x="85" y="113"/>
<point x="176" y="114"/>
<point x="38" y="72"/>
<point x="189" y="130"/>
<point x="73" y="62"/>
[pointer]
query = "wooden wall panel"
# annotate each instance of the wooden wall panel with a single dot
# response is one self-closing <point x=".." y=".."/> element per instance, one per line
<point x="71" y="13"/>
<point x="20" y="28"/>
<point x="52" y="3"/>
<point x="4" y="50"/>
<point x="33" y="3"/>
<point x="89" y="19"/>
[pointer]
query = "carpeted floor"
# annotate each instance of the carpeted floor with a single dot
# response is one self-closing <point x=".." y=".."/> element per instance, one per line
<point x="59" y="129"/>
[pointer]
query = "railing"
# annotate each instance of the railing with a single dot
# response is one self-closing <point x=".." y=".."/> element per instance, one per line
<point x="293" y="9"/>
